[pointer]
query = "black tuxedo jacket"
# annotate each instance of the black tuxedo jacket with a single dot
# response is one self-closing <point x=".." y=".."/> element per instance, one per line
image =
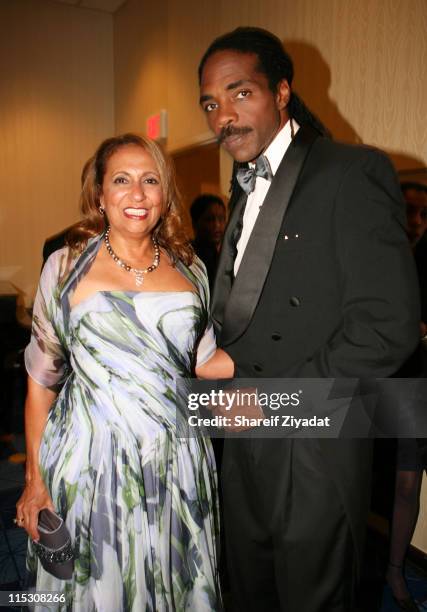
<point x="327" y="285"/>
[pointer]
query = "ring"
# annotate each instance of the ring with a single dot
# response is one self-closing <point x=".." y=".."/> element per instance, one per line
<point x="17" y="520"/>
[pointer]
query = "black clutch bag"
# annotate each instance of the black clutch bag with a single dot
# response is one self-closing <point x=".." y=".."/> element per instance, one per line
<point x="54" y="548"/>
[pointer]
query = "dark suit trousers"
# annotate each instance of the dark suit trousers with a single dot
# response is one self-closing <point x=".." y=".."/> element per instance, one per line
<point x="289" y="545"/>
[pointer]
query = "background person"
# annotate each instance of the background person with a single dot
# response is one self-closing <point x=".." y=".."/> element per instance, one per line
<point x="411" y="453"/>
<point x="208" y="217"/>
<point x="415" y="195"/>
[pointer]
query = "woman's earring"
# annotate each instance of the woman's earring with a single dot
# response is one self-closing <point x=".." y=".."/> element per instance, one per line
<point x="101" y="209"/>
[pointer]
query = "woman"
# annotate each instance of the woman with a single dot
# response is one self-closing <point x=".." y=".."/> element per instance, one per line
<point x="117" y="318"/>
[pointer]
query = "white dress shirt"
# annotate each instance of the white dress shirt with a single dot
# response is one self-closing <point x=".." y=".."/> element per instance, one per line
<point x="274" y="153"/>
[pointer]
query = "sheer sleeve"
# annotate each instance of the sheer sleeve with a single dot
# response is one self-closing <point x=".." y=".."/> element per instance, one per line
<point x="207" y="345"/>
<point x="45" y="357"/>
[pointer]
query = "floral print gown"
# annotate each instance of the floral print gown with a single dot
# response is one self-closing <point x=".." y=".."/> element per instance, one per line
<point x="140" y="502"/>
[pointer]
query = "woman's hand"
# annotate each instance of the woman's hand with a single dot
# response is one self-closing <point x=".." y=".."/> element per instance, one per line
<point x="34" y="498"/>
<point x="219" y="366"/>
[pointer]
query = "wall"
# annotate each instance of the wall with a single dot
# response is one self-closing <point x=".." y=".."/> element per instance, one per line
<point x="140" y="63"/>
<point x="56" y="104"/>
<point x="359" y="64"/>
<point x="197" y="171"/>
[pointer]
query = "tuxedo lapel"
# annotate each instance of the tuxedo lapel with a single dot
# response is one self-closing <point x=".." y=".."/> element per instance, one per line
<point x="224" y="275"/>
<point x="240" y="300"/>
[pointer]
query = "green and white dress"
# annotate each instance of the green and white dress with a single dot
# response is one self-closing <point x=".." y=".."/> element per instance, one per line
<point x="140" y="502"/>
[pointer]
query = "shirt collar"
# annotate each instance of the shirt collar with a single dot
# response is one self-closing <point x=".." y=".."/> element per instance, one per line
<point x="278" y="147"/>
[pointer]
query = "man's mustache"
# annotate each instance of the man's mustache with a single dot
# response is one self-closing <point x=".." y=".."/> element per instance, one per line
<point x="230" y="130"/>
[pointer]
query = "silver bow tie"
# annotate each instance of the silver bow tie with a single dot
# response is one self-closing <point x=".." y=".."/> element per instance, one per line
<point x="246" y="177"/>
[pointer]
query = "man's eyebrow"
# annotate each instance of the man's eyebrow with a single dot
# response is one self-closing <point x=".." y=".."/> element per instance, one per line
<point x="229" y="87"/>
<point x="238" y="84"/>
<point x="205" y="98"/>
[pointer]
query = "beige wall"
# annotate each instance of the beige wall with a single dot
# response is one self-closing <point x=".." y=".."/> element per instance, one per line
<point x="56" y="104"/>
<point x="140" y="63"/>
<point x="360" y="64"/>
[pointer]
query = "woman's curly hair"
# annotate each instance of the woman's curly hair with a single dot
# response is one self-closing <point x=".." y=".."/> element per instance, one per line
<point x="169" y="231"/>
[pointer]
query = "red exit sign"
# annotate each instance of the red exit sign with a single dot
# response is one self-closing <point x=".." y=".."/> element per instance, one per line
<point x="157" y="126"/>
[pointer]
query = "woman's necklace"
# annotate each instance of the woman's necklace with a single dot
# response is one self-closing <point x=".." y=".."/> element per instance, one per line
<point x="139" y="274"/>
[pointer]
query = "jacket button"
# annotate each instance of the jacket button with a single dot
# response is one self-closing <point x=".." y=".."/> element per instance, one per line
<point x="276" y="337"/>
<point x="257" y="367"/>
<point x="295" y="301"/>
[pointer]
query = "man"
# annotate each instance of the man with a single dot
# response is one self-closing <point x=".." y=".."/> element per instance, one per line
<point x="208" y="218"/>
<point x="306" y="292"/>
